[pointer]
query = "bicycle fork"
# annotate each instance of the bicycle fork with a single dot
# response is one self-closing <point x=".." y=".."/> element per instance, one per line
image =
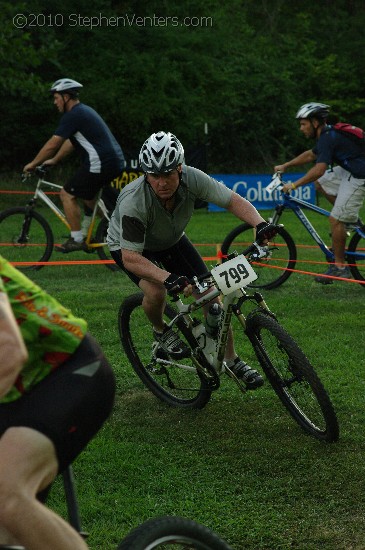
<point x="23" y="238"/>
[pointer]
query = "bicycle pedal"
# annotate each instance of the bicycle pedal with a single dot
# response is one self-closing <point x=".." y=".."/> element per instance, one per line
<point x="162" y="354"/>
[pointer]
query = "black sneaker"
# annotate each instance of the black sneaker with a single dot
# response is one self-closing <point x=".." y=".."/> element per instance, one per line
<point x="71" y="246"/>
<point x="172" y="344"/>
<point x="333" y="271"/>
<point x="250" y="377"/>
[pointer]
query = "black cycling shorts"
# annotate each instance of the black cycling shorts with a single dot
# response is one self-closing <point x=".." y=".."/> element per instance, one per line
<point x="70" y="405"/>
<point x="181" y="259"/>
<point x="85" y="185"/>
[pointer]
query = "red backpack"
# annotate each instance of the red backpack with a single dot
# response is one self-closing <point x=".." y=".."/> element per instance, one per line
<point x="353" y="132"/>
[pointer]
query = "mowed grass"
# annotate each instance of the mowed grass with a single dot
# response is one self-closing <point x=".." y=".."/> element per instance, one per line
<point x="241" y="465"/>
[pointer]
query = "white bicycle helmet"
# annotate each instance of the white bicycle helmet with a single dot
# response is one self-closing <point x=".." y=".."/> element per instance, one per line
<point x="317" y="110"/>
<point x="65" y="85"/>
<point x="161" y="152"/>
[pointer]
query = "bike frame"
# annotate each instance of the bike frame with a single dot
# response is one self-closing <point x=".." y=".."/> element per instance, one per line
<point x="295" y="204"/>
<point x="230" y="305"/>
<point x="40" y="194"/>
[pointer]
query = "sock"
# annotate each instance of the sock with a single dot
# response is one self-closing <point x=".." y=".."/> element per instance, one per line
<point x="77" y="236"/>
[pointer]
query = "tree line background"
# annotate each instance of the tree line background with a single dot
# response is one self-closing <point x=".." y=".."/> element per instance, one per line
<point x="244" y="71"/>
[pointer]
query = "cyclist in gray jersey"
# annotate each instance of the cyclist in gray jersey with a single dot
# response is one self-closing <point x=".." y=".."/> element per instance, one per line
<point x="148" y="228"/>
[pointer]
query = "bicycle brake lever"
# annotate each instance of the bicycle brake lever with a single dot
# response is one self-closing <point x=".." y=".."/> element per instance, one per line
<point x="25" y="176"/>
<point x="260" y="252"/>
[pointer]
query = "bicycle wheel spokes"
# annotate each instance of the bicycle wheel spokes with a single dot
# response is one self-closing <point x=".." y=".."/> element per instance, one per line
<point x="272" y="270"/>
<point x="25" y="236"/>
<point x="175" y="381"/>
<point x="292" y="377"/>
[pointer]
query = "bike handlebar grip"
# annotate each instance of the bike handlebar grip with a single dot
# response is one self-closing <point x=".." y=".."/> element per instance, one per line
<point x="41" y="169"/>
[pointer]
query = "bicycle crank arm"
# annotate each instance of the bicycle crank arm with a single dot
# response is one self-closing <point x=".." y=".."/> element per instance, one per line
<point x="211" y="378"/>
<point x="239" y="382"/>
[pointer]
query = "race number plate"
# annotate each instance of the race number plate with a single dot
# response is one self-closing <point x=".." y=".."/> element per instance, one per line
<point x="275" y="183"/>
<point x="234" y="274"/>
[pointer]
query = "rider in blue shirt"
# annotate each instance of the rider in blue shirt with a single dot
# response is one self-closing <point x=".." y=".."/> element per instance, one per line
<point x="343" y="185"/>
<point x="81" y="129"/>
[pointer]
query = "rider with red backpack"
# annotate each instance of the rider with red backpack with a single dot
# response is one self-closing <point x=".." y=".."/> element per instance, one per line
<point x="343" y="185"/>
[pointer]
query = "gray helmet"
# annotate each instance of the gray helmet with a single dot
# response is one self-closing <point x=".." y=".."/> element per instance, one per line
<point x="66" y="86"/>
<point x="313" y="110"/>
<point x="161" y="152"/>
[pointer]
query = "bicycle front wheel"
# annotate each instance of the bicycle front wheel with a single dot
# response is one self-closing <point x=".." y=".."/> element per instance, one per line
<point x="25" y="236"/>
<point x="273" y="270"/>
<point x="177" y="382"/>
<point x="103" y="251"/>
<point x="172" y="532"/>
<point x="356" y="257"/>
<point x="292" y="377"/>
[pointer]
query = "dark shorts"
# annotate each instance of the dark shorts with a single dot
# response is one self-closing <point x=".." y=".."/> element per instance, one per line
<point x="70" y="405"/>
<point x="181" y="259"/>
<point x="85" y="185"/>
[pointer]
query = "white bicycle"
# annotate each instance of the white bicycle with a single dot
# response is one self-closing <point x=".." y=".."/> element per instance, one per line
<point x="189" y="383"/>
<point x="27" y="237"/>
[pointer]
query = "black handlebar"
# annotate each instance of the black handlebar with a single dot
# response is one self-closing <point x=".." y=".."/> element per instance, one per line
<point x="40" y="171"/>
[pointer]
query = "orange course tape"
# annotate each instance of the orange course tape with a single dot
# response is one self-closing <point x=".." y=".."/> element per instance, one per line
<point x="207" y="258"/>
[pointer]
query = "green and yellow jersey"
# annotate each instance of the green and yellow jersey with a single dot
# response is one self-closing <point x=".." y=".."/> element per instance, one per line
<point x="50" y="331"/>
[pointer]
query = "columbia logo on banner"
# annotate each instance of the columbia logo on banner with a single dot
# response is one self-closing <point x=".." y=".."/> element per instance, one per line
<point x="252" y="188"/>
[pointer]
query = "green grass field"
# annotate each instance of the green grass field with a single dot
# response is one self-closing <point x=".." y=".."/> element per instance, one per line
<point x="241" y="466"/>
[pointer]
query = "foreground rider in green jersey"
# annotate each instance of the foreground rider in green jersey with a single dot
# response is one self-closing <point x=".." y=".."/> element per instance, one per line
<point x="56" y="391"/>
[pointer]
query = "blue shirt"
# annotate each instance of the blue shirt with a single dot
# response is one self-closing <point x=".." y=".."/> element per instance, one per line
<point x="91" y="137"/>
<point x="334" y="147"/>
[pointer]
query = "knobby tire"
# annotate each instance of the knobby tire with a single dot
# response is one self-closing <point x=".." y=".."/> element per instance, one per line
<point x="292" y="377"/>
<point x="357" y="265"/>
<point x="172" y="532"/>
<point x="176" y="386"/>
<point x="272" y="272"/>
<point x="38" y="243"/>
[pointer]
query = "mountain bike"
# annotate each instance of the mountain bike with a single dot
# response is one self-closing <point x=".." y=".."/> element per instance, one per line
<point x="26" y="235"/>
<point x="189" y="383"/>
<point x="276" y="266"/>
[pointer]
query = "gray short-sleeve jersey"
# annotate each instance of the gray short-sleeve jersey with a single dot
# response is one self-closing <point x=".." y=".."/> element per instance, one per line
<point x="140" y="222"/>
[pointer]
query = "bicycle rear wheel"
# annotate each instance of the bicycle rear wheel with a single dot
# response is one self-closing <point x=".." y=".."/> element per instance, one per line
<point x="25" y="236"/>
<point x="103" y="251"/>
<point x="356" y="257"/>
<point x="272" y="271"/>
<point x="177" y="382"/>
<point x="292" y="377"/>
<point x="172" y="532"/>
